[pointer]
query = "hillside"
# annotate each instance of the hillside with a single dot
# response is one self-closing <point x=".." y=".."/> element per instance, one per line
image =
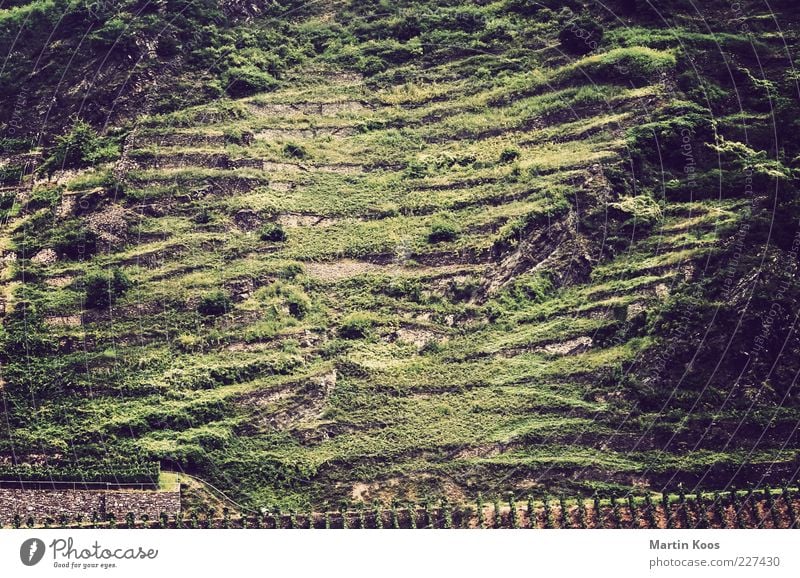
<point x="445" y="250"/>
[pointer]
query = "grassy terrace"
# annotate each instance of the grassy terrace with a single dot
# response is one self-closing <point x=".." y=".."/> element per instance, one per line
<point x="339" y="293"/>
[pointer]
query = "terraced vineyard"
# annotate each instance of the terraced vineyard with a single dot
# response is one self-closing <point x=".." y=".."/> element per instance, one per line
<point x="479" y="276"/>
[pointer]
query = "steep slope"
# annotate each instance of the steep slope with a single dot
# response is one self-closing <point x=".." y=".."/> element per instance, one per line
<point x="459" y="273"/>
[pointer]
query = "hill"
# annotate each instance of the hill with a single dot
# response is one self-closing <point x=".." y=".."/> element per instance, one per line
<point x="432" y="251"/>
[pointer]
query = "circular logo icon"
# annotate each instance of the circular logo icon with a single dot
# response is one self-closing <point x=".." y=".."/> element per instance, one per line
<point x="31" y="552"/>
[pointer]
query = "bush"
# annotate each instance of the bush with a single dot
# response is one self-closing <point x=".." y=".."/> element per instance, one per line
<point x="14" y="145"/>
<point x="289" y="295"/>
<point x="103" y="288"/>
<point x="443" y="230"/>
<point x="298" y="303"/>
<point x="532" y="7"/>
<point x="272" y="232"/>
<point x="214" y="304"/>
<point x="295" y="151"/>
<point x="637" y="65"/>
<point x="72" y="240"/>
<point x="248" y="80"/>
<point x="203" y="217"/>
<point x="80" y="147"/>
<point x="357" y="325"/>
<point x="581" y="36"/>
<point x="237" y="136"/>
<point x="188" y="342"/>
<point x="509" y="156"/>
<point x="11" y="174"/>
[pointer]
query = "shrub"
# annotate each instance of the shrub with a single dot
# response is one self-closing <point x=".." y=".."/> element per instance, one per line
<point x="637" y="65"/>
<point x="14" y="145"/>
<point x="272" y="232"/>
<point x="203" y="217"/>
<point x="357" y="325"/>
<point x="103" y="288"/>
<point x="463" y="290"/>
<point x="188" y="342"/>
<point x="214" y="304"/>
<point x="289" y="271"/>
<point x="73" y="240"/>
<point x="237" y="136"/>
<point x="80" y="147"/>
<point x="297" y="302"/>
<point x="443" y="230"/>
<point x="294" y="151"/>
<point x="509" y="156"/>
<point x="248" y="80"/>
<point x="532" y="7"/>
<point x="11" y="174"/>
<point x="293" y="297"/>
<point x="581" y="36"/>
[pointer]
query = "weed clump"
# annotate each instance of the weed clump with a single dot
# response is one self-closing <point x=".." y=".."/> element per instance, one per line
<point x="295" y="151"/>
<point x="272" y="232"/>
<point x="357" y="325"/>
<point x="103" y="288"/>
<point x="214" y="304"/>
<point x="443" y="230"/>
<point x="80" y="147"/>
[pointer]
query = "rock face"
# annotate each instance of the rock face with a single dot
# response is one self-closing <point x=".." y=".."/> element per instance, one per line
<point x="75" y="504"/>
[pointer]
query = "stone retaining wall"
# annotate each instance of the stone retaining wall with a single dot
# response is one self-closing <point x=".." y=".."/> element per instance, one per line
<point x="73" y="504"/>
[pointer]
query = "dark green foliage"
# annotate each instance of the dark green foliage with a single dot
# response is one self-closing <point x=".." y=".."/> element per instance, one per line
<point x="203" y="217"/>
<point x="443" y="230"/>
<point x="493" y="213"/>
<point x="667" y="509"/>
<point x="294" y="151"/>
<point x="272" y="232"/>
<point x="789" y="499"/>
<point x="14" y="145"/>
<point x="237" y="136"/>
<point x="137" y="473"/>
<point x="447" y="514"/>
<point x="73" y="240"/>
<point x="616" y="512"/>
<point x="533" y="7"/>
<point x="683" y="508"/>
<point x="214" y="304"/>
<point x="11" y="174"/>
<point x="24" y="333"/>
<point x="79" y="147"/>
<point x="357" y="326"/>
<point x="509" y="155"/>
<point x="549" y="523"/>
<point x="497" y="514"/>
<point x="563" y="513"/>
<point x="514" y="514"/>
<point x="246" y="80"/>
<point x="650" y="512"/>
<point x="103" y="288"/>
<point x="583" y="521"/>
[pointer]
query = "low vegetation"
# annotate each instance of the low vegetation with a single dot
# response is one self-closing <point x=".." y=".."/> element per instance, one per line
<point x="376" y="256"/>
